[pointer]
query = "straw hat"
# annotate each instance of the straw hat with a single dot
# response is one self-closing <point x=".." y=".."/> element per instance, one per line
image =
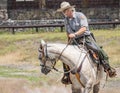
<point x="65" y="5"/>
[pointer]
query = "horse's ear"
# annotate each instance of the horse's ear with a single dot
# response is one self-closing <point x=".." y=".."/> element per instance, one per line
<point x="42" y="43"/>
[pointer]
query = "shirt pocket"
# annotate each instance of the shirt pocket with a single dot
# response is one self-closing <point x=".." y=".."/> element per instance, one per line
<point x="77" y="26"/>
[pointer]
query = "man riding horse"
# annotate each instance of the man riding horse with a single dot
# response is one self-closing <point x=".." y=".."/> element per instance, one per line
<point x="77" y="29"/>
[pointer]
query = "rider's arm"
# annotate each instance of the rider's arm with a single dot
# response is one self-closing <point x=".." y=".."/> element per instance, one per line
<point x="83" y="26"/>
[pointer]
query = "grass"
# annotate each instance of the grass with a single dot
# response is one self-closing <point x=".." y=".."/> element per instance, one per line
<point x="18" y="73"/>
<point x="32" y="76"/>
<point x="21" y="48"/>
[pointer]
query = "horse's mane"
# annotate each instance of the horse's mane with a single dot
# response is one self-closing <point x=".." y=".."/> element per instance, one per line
<point x="72" y="52"/>
<point x="69" y="48"/>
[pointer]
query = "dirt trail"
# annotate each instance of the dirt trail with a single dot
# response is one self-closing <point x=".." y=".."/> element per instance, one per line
<point x="14" y="85"/>
<point x="22" y="86"/>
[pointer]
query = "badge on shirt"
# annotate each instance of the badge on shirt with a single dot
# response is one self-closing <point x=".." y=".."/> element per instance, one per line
<point x="82" y="17"/>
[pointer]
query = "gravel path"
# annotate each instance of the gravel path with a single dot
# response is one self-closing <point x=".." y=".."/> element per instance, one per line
<point x="14" y="85"/>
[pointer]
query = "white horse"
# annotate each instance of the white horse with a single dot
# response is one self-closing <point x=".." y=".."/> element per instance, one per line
<point x="76" y="58"/>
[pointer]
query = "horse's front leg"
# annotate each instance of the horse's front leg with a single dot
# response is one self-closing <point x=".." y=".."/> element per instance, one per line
<point x="88" y="87"/>
<point x="76" y="87"/>
<point x="96" y="88"/>
<point x="76" y="90"/>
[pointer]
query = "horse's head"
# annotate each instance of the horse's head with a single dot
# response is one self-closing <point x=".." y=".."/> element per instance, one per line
<point x="47" y="61"/>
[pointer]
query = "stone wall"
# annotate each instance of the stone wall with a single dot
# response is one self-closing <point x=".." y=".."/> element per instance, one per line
<point x="93" y="14"/>
<point x="3" y="4"/>
<point x="3" y="14"/>
<point x="31" y="14"/>
<point x="102" y="14"/>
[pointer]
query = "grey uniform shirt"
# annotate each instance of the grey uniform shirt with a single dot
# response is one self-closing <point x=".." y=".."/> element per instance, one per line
<point x="79" y="20"/>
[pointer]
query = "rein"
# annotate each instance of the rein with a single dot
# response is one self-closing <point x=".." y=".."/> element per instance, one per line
<point x="60" y="57"/>
<point x="64" y="49"/>
<point x="46" y="57"/>
<point x="80" y="66"/>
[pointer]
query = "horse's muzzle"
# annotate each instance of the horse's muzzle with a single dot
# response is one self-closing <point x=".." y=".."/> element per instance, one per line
<point x="45" y="71"/>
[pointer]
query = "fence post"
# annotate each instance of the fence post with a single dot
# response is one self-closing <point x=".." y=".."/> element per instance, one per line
<point x="61" y="28"/>
<point x="13" y="30"/>
<point x="114" y="26"/>
<point x="36" y="29"/>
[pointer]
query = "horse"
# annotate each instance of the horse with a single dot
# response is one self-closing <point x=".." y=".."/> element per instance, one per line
<point x="87" y="78"/>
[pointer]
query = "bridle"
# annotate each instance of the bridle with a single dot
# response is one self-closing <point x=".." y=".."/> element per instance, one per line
<point x="44" y="52"/>
<point x="44" y="57"/>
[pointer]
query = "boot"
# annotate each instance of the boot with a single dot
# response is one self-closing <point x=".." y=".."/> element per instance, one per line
<point x="66" y="77"/>
<point x="66" y="80"/>
<point x="111" y="71"/>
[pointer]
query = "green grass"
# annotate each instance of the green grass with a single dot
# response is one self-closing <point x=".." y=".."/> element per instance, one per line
<point x="18" y="73"/>
<point x="109" y="39"/>
<point x="32" y="76"/>
<point x="8" y="41"/>
<point x="25" y="45"/>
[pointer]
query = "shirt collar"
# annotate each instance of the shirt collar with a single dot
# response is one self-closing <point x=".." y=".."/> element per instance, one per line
<point x="74" y="16"/>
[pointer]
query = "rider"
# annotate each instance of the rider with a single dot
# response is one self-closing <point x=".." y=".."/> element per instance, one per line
<point x="77" y="29"/>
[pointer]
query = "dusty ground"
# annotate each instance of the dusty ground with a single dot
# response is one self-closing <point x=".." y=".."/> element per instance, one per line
<point x="14" y="85"/>
<point x="22" y="86"/>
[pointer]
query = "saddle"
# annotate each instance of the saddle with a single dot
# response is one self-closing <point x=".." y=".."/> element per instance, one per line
<point x="66" y="78"/>
<point x="94" y="56"/>
<point x="97" y="60"/>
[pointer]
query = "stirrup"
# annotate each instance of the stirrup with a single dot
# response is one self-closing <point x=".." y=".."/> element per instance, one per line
<point x="66" y="80"/>
<point x="111" y="72"/>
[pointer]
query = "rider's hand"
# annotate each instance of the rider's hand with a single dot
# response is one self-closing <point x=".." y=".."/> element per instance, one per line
<point x="72" y="35"/>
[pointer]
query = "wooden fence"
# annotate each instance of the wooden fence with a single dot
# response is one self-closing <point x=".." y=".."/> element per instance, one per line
<point x="114" y="24"/>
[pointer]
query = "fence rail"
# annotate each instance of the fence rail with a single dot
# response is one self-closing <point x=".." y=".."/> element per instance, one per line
<point x="34" y="26"/>
<point x="114" y="24"/>
<point x="13" y="27"/>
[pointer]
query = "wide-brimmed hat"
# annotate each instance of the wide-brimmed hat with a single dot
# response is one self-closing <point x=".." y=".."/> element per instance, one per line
<point x="65" y="5"/>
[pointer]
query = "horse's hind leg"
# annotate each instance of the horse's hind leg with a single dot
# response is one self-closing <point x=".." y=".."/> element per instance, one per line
<point x="88" y="88"/>
<point x="96" y="88"/>
<point x="76" y="89"/>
